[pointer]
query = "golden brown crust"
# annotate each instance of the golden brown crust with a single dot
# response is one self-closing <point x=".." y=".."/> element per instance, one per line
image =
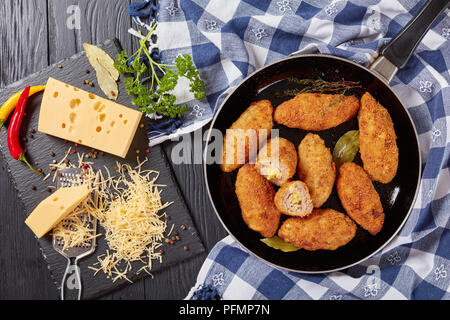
<point x="257" y="117"/>
<point x="256" y="199"/>
<point x="315" y="112"/>
<point x="316" y="168"/>
<point x="323" y="229"/>
<point x="293" y="199"/>
<point x="286" y="158"/>
<point x="359" y="197"/>
<point x="377" y="140"/>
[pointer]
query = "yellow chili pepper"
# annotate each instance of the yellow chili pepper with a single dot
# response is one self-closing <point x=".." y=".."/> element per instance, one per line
<point x="11" y="103"/>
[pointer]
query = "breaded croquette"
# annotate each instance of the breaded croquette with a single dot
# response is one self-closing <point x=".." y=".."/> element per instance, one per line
<point x="323" y="229"/>
<point x="277" y="160"/>
<point x="256" y="199"/>
<point x="315" y="112"/>
<point x="293" y="199"/>
<point x="243" y="139"/>
<point x="316" y="168"/>
<point x="359" y="197"/>
<point x="377" y="140"/>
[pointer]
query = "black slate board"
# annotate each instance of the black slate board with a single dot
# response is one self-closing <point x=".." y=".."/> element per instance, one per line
<point x="39" y="148"/>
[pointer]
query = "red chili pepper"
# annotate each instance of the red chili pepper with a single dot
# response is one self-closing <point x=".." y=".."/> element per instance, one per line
<point x="15" y="149"/>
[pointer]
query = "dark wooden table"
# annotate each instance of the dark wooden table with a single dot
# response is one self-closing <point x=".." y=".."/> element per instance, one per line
<point x="33" y="35"/>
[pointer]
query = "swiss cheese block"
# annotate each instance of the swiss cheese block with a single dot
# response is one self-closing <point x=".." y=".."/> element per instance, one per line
<point x="55" y="208"/>
<point x="82" y="117"/>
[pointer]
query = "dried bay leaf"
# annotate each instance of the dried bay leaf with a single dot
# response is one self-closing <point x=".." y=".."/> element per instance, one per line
<point x="107" y="74"/>
<point x="95" y="54"/>
<point x="107" y="83"/>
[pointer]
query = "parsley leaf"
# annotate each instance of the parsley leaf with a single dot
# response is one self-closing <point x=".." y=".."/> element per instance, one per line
<point x="158" y="97"/>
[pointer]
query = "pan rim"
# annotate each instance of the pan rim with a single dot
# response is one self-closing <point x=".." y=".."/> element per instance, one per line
<point x="419" y="173"/>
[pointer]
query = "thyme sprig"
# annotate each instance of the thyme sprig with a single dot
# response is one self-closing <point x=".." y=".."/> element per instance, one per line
<point x="323" y="86"/>
<point x="320" y="86"/>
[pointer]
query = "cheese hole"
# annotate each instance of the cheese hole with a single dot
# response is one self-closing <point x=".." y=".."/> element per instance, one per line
<point x="120" y="115"/>
<point x="102" y="117"/>
<point x="63" y="125"/>
<point x="97" y="105"/>
<point x="98" y="129"/>
<point x="108" y="132"/>
<point x="55" y="199"/>
<point x="76" y="89"/>
<point x="91" y="96"/>
<point x="55" y="94"/>
<point x="74" y="103"/>
<point x="80" y="141"/>
<point x="61" y="208"/>
<point x="72" y="117"/>
<point x="67" y="85"/>
<point x="125" y="121"/>
<point x="113" y="123"/>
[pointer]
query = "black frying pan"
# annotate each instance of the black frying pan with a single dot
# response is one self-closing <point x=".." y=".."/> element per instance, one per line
<point x="397" y="197"/>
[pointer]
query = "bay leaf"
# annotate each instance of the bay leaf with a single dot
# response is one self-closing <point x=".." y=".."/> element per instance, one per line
<point x="97" y="55"/>
<point x="346" y="148"/>
<point x="107" y="74"/>
<point x="278" y="243"/>
<point x="107" y="83"/>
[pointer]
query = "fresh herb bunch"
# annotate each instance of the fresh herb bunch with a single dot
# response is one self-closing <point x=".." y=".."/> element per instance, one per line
<point x="158" y="97"/>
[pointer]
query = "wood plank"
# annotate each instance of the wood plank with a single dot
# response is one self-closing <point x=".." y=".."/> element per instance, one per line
<point x="192" y="184"/>
<point x="99" y="21"/>
<point x="174" y="285"/>
<point x="23" y="50"/>
<point x="23" y="30"/>
<point x="191" y="181"/>
<point x="24" y="271"/>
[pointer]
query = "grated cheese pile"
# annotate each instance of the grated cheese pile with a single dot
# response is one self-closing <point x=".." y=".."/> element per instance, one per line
<point x="128" y="209"/>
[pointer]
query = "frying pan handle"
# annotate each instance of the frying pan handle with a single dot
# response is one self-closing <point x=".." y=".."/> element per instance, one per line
<point x="397" y="52"/>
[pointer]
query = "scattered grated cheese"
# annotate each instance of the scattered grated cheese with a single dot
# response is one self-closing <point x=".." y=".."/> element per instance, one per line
<point x="128" y="209"/>
<point x="129" y="213"/>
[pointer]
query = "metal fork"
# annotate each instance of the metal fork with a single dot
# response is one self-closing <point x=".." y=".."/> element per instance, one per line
<point x="67" y="178"/>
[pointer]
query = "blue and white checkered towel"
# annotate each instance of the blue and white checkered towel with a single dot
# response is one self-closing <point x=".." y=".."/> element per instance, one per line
<point x="230" y="39"/>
